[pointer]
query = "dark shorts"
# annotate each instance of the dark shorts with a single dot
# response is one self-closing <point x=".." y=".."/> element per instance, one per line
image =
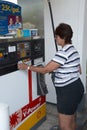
<point x="69" y="97"/>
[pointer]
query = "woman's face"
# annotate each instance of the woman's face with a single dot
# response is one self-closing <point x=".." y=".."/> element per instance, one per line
<point x="11" y="21"/>
<point x="17" y="19"/>
<point x="60" y="41"/>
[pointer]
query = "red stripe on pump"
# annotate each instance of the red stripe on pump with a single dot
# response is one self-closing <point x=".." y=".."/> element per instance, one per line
<point x="30" y="85"/>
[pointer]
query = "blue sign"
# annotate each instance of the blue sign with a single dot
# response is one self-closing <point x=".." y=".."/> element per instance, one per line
<point x="8" y="13"/>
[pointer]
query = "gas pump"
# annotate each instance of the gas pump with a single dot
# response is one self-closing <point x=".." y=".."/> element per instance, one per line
<point x="24" y="83"/>
<point x="19" y="89"/>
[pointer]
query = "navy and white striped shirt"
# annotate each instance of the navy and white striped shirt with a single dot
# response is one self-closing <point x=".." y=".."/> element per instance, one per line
<point x="68" y="72"/>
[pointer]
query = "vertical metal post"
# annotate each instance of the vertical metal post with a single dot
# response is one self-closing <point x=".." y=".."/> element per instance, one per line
<point x="49" y="4"/>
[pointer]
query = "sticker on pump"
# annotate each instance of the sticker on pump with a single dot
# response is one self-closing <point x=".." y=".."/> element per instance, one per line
<point x="11" y="48"/>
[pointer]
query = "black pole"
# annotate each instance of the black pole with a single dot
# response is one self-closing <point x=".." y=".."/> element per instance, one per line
<point x="52" y="22"/>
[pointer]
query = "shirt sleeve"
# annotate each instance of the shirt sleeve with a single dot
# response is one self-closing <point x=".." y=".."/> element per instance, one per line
<point x="60" y="57"/>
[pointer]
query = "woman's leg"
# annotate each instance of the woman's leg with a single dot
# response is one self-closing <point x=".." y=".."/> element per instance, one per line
<point x="67" y="122"/>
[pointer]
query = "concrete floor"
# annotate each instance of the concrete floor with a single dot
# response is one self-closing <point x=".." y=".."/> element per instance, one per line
<point x="52" y="119"/>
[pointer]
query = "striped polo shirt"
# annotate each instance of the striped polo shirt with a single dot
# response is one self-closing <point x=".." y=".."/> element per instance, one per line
<point x="68" y="72"/>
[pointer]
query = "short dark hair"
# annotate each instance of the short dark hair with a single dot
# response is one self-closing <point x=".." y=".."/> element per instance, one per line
<point x="65" y="32"/>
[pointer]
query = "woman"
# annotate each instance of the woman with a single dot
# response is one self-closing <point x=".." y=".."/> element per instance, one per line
<point x="11" y="26"/>
<point x="18" y="24"/>
<point x="66" y="66"/>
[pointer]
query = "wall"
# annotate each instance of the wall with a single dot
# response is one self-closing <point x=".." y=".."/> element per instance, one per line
<point x="73" y="13"/>
<point x="84" y="49"/>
